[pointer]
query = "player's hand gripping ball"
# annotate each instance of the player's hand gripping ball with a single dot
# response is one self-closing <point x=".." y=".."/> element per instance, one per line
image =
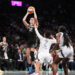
<point x="30" y="9"/>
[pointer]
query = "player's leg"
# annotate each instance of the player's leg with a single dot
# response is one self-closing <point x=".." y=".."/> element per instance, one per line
<point x="37" y="69"/>
<point x="64" y="64"/>
<point x="68" y="53"/>
<point x="54" y="64"/>
<point x="32" y="61"/>
<point x="29" y="60"/>
<point x="38" y="63"/>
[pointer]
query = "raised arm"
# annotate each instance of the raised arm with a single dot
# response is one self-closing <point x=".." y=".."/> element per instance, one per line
<point x="53" y="40"/>
<point x="37" y="32"/>
<point x="35" y="17"/>
<point x="57" y="42"/>
<point x="24" y="19"/>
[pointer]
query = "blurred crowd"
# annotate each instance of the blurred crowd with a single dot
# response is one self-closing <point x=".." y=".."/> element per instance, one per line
<point x="21" y="56"/>
<point x="14" y="56"/>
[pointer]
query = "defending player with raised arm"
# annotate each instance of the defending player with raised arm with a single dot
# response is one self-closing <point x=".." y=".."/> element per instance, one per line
<point x="43" y="53"/>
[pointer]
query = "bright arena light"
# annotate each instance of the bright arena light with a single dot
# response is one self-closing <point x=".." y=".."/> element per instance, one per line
<point x="16" y="3"/>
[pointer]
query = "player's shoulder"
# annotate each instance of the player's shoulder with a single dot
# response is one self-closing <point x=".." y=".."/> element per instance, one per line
<point x="59" y="34"/>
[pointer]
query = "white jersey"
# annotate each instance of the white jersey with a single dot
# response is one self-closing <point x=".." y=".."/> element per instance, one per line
<point x="64" y="50"/>
<point x="45" y="43"/>
<point x="61" y="39"/>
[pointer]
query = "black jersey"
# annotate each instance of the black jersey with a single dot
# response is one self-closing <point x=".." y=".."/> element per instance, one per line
<point x="30" y="28"/>
<point x="4" y="46"/>
<point x="31" y="36"/>
<point x="3" y="49"/>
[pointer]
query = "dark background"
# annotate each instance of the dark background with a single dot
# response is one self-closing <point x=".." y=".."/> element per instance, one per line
<point x="51" y="14"/>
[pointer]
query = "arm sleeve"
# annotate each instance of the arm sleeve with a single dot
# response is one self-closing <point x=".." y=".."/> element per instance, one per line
<point x="38" y="34"/>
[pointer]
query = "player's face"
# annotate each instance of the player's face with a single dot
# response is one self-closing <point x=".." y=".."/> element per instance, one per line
<point x="4" y="39"/>
<point x="31" y="20"/>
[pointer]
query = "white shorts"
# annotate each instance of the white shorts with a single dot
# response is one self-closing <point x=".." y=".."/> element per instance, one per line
<point x="66" y="52"/>
<point x="44" y="57"/>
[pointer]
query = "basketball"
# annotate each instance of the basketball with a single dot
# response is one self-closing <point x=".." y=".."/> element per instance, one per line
<point x="30" y="9"/>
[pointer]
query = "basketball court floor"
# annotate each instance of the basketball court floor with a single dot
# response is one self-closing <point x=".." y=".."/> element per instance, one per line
<point x="26" y="73"/>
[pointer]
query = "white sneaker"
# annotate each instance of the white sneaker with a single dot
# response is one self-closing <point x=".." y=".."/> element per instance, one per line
<point x="57" y="73"/>
<point x="35" y="74"/>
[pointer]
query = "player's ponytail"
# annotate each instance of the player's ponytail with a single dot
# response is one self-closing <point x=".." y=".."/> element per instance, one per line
<point x="66" y="39"/>
<point x="65" y="35"/>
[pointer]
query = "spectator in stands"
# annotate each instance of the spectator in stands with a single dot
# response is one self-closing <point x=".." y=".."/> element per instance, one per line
<point x="20" y="62"/>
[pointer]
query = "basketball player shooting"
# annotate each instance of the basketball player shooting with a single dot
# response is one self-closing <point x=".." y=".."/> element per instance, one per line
<point x="32" y="21"/>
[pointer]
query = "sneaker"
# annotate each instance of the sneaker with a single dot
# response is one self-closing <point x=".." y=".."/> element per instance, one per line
<point x="35" y="74"/>
<point x="57" y="73"/>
